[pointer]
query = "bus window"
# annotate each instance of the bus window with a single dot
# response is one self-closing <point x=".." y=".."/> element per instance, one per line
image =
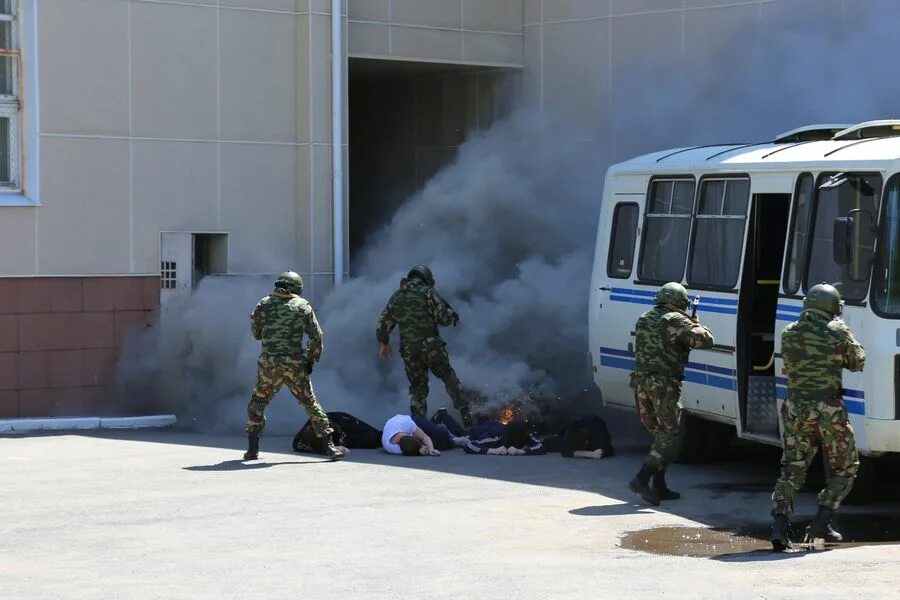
<point x="799" y="233"/>
<point x="667" y="229"/>
<point x="622" y="239"/>
<point x="843" y="195"/>
<point x="886" y="287"/>
<point x="719" y="232"/>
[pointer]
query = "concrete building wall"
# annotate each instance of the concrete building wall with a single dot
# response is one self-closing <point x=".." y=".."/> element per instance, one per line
<point x="484" y="32"/>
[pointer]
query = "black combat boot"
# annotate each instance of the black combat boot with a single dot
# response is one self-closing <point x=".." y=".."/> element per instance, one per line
<point x="332" y="451"/>
<point x="466" y="415"/>
<point x="821" y="527"/>
<point x="252" y="452"/>
<point x="640" y="485"/>
<point x="660" y="487"/>
<point x="781" y="533"/>
<point x="438" y="417"/>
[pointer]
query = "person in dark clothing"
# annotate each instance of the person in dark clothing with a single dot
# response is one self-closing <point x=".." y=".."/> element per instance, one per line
<point x="349" y="432"/>
<point x="586" y="437"/>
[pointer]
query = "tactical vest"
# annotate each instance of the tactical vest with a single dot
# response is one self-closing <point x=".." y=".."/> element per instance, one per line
<point x="655" y="354"/>
<point x="282" y="320"/>
<point x="812" y="362"/>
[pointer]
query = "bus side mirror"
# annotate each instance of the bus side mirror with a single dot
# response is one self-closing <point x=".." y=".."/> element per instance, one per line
<point x="843" y="244"/>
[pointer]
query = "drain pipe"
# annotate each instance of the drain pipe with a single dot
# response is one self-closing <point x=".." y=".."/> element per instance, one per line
<point x="337" y="138"/>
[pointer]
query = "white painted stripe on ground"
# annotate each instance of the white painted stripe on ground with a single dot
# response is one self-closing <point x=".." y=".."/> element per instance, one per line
<point x="134" y="422"/>
<point x="82" y="423"/>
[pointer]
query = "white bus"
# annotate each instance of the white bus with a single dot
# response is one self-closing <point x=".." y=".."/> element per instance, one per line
<point x="748" y="228"/>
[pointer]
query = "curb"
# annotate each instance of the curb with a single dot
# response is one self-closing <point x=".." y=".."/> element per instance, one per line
<point x="84" y="423"/>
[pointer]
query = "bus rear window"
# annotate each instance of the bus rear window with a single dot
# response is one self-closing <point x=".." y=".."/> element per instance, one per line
<point x="621" y="241"/>
<point x="667" y="229"/>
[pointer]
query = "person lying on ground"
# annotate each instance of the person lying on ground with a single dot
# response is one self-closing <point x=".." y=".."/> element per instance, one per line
<point x="349" y="432"/>
<point x="405" y="435"/>
<point x="586" y="437"/>
<point x="510" y="439"/>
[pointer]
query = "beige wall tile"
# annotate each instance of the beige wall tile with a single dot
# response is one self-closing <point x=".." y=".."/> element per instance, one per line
<point x="414" y="42"/>
<point x="369" y="10"/>
<point x="259" y="211"/>
<point x="17" y="233"/>
<point x="556" y="10"/>
<point x="84" y="66"/>
<point x="531" y="11"/>
<point x="369" y="38"/>
<point x="434" y="13"/>
<point x="630" y="7"/>
<point x="175" y="189"/>
<point x="531" y="74"/>
<point x="304" y="85"/>
<point x="303" y="225"/>
<point x="320" y="67"/>
<point x="174" y="70"/>
<point x="575" y="72"/>
<point x="283" y="5"/>
<point x="493" y="15"/>
<point x="258" y="76"/>
<point x="492" y="48"/>
<point x="321" y="209"/>
<point x="85" y="195"/>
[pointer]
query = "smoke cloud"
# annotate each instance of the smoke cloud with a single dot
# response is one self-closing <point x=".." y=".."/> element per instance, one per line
<point x="509" y="227"/>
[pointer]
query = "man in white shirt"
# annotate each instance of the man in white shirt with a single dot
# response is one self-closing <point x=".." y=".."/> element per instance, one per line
<point x="401" y="435"/>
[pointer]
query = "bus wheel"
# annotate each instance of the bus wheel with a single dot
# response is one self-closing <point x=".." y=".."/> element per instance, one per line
<point x="863" y="491"/>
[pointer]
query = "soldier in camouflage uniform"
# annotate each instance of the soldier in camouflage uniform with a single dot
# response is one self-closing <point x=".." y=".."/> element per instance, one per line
<point x="280" y="320"/>
<point x="418" y="309"/>
<point x="816" y="349"/>
<point x="665" y="336"/>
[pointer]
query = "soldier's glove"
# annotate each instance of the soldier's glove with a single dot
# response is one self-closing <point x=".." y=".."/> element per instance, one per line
<point x="454" y="319"/>
<point x="309" y="366"/>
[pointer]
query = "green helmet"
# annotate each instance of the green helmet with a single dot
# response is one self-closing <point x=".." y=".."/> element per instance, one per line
<point x="674" y="294"/>
<point x="824" y="297"/>
<point x="422" y="272"/>
<point x="291" y="282"/>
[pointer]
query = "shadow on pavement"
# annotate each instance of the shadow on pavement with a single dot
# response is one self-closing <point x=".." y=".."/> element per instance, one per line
<point x="240" y="465"/>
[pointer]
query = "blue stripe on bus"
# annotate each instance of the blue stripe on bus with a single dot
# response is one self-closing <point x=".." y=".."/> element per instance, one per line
<point x="855" y="407"/>
<point x="632" y="292"/>
<point x="615" y="352"/>
<point x="617" y="363"/>
<point x="647" y="301"/>
<point x="784" y="317"/>
<point x="650" y="302"/>
<point x="854" y="393"/>
<point x="790" y="308"/>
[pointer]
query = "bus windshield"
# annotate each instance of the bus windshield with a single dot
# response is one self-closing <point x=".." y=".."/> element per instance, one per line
<point x="886" y="284"/>
<point x="853" y="195"/>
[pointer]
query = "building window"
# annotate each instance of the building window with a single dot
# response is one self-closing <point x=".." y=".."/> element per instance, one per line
<point x="719" y="232"/>
<point x="622" y="239"/>
<point x="167" y="278"/>
<point x="797" y="245"/>
<point x="667" y="229"/>
<point x="10" y="109"/>
<point x="855" y="196"/>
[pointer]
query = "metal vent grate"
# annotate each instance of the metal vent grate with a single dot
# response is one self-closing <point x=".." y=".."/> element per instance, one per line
<point x="167" y="275"/>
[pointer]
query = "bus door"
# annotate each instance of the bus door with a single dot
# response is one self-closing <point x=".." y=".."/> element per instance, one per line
<point x="757" y="307"/>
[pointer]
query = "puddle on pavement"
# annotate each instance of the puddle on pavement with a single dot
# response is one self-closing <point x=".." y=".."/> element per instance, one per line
<point x="702" y="542"/>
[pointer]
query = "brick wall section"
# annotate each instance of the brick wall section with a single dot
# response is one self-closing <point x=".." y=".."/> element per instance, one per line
<point x="60" y="338"/>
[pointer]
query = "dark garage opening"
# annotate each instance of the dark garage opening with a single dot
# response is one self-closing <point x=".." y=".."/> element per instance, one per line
<point x="407" y="120"/>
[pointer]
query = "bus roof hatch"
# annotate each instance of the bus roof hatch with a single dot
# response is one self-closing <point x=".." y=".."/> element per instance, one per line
<point x="870" y="129"/>
<point x="810" y="133"/>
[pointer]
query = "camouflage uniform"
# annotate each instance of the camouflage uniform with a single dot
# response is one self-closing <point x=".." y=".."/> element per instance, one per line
<point x="664" y="338"/>
<point x="280" y="320"/>
<point x="815" y="350"/>
<point x="418" y="309"/>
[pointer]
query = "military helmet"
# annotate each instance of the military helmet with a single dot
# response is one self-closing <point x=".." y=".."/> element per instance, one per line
<point x="824" y="297"/>
<point x="674" y="294"/>
<point x="291" y="282"/>
<point x="423" y="273"/>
